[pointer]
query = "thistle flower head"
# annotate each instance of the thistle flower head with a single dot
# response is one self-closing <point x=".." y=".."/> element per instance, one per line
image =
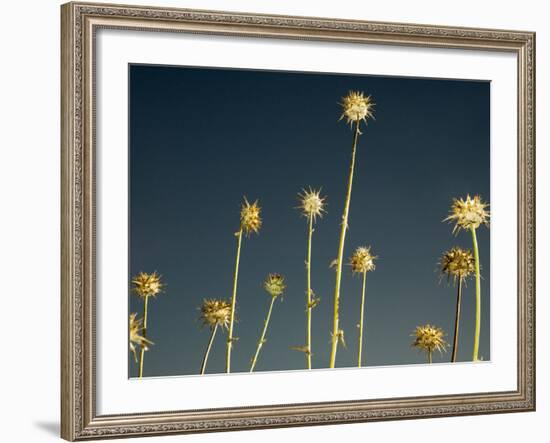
<point x="362" y="260"/>
<point x="468" y="213"/>
<point x="356" y="107"/>
<point x="429" y="338"/>
<point x="457" y="263"/>
<point x="311" y="203"/>
<point x="215" y="313"/>
<point x="146" y="285"/>
<point x="275" y="284"/>
<point x="250" y="217"/>
<point x="136" y="339"/>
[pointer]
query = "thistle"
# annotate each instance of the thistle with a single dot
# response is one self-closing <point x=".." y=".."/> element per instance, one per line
<point x="429" y="338"/>
<point x="250" y="222"/>
<point x="458" y="265"/>
<point x="355" y="108"/>
<point x="312" y="206"/>
<point x="145" y="286"/>
<point x="214" y="313"/>
<point x="250" y="217"/>
<point x="275" y="286"/>
<point x="361" y="262"/>
<point x="136" y="339"/>
<point x="470" y="214"/>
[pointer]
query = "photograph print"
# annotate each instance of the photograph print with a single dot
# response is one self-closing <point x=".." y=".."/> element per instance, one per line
<point x="295" y="221"/>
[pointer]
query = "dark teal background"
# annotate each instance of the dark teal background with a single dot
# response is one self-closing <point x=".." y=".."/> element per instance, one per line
<point x="201" y="139"/>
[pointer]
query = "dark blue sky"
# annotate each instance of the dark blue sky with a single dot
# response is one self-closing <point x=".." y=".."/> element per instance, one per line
<point x="201" y="139"/>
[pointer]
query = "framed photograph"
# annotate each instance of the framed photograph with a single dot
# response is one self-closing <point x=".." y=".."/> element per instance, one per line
<point x="277" y="221"/>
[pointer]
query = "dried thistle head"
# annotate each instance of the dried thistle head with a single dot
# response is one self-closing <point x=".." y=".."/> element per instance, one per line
<point x="429" y="338"/>
<point x="468" y="213"/>
<point x="362" y="260"/>
<point x="311" y="203"/>
<point x="275" y="284"/>
<point x="457" y="263"/>
<point x="147" y="285"/>
<point x="215" y="313"/>
<point x="250" y="217"/>
<point x="356" y="107"/>
<point x="136" y="339"/>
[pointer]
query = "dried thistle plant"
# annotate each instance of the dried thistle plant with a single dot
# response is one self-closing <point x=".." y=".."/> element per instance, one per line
<point x="470" y="214"/>
<point x="275" y="287"/>
<point x="214" y="313"/>
<point x="356" y="108"/>
<point x="312" y="206"/>
<point x="429" y="338"/>
<point x="250" y="222"/>
<point x="250" y="217"/>
<point x="145" y="286"/>
<point x="361" y="262"/>
<point x="136" y="339"/>
<point x="457" y="264"/>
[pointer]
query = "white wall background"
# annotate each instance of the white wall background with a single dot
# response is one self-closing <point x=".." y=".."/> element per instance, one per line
<point x="29" y="217"/>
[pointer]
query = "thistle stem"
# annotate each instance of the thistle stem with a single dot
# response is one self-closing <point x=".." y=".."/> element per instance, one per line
<point x="309" y="293"/>
<point x="429" y="356"/>
<point x="457" y="320"/>
<point x="144" y="334"/>
<point x="343" y="229"/>
<point x="360" y="348"/>
<point x="233" y="303"/>
<point x="262" y="338"/>
<point x="205" y="359"/>
<point x="478" y="297"/>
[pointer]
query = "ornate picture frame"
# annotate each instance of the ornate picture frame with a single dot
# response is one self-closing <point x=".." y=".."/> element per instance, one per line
<point x="80" y="22"/>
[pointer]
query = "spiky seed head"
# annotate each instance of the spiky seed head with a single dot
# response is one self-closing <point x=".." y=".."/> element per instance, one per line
<point x="215" y="312"/>
<point x="275" y="284"/>
<point x="457" y="263"/>
<point x="250" y="217"/>
<point x="362" y="260"/>
<point x="468" y="213"/>
<point x="356" y="106"/>
<point x="136" y="339"/>
<point x="147" y="285"/>
<point x="311" y="203"/>
<point x="429" y="338"/>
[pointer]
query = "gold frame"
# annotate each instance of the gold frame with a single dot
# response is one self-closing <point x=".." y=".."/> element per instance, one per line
<point x="79" y="22"/>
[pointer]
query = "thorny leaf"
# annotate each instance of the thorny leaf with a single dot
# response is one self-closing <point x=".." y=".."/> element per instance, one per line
<point x="303" y="349"/>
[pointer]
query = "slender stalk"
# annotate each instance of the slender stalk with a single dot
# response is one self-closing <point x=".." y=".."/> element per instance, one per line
<point x="360" y="350"/>
<point x="457" y="320"/>
<point x="340" y="258"/>
<point x="309" y="293"/>
<point x="205" y="359"/>
<point x="262" y="338"/>
<point x="144" y="334"/>
<point x="233" y="303"/>
<point x="429" y="356"/>
<point x="478" y="297"/>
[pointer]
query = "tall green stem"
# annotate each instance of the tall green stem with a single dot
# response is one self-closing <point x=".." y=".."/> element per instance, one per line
<point x="343" y="229"/>
<point x="144" y="334"/>
<point x="205" y="359"/>
<point x="457" y="320"/>
<point x="360" y="350"/>
<point x="262" y="338"/>
<point x="233" y="303"/>
<point x="309" y="294"/>
<point x="429" y="356"/>
<point x="478" y="297"/>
